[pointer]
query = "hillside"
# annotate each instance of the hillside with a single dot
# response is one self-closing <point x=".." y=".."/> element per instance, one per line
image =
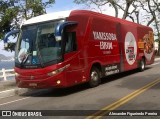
<point x="3" y="57"/>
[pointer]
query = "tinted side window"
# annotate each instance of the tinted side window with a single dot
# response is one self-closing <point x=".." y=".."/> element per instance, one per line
<point x="71" y="44"/>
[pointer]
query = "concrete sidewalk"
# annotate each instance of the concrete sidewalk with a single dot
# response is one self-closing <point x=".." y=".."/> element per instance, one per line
<point x="7" y="85"/>
<point x="9" y="88"/>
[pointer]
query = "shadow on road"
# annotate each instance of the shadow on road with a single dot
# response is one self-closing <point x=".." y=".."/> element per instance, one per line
<point x="77" y="88"/>
<point x="141" y="79"/>
<point x="121" y="75"/>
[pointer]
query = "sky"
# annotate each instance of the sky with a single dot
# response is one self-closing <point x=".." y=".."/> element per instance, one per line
<point x="63" y="5"/>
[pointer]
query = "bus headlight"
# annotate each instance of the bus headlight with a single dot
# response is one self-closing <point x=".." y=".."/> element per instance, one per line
<point x="58" y="70"/>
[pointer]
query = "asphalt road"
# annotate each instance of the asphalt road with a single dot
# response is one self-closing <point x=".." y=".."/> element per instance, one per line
<point x="128" y="91"/>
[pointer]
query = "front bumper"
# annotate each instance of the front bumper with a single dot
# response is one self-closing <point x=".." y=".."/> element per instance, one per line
<point x="57" y="81"/>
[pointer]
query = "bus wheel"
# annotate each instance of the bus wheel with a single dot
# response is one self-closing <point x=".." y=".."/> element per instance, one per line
<point x="142" y="65"/>
<point x="94" y="77"/>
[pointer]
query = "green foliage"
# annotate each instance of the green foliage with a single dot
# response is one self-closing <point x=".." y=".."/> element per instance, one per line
<point x="10" y="47"/>
<point x="156" y="40"/>
<point x="32" y="8"/>
<point x="7" y="14"/>
<point x="12" y="12"/>
<point x="35" y="6"/>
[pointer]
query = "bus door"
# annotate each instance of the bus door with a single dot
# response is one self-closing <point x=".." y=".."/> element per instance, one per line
<point x="119" y="38"/>
<point x="71" y="56"/>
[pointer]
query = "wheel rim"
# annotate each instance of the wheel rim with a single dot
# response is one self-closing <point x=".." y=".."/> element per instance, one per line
<point x="94" y="76"/>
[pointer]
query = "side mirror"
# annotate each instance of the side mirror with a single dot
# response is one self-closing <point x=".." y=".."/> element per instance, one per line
<point x="60" y="27"/>
<point x="5" y="40"/>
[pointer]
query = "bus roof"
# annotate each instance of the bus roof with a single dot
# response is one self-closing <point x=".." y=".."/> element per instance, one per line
<point x="104" y="16"/>
<point x="47" y="17"/>
<point x="64" y="14"/>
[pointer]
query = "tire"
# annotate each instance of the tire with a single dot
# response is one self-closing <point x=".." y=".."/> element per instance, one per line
<point x="142" y="65"/>
<point x="94" y="77"/>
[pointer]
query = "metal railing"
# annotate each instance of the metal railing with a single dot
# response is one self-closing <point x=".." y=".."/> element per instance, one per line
<point x="4" y="73"/>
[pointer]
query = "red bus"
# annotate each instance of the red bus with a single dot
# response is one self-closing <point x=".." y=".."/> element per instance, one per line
<point x="65" y="49"/>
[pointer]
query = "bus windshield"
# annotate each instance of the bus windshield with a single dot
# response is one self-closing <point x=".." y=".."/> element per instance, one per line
<point x="37" y="46"/>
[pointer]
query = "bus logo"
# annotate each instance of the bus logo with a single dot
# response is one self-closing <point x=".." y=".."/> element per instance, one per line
<point x="130" y="48"/>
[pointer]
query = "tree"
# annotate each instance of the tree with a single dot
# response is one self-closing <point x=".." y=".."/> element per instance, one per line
<point x="157" y="22"/>
<point x="153" y="14"/>
<point x="13" y="12"/>
<point x="98" y="5"/>
<point x="146" y="12"/>
<point x="7" y="14"/>
<point x="130" y="8"/>
<point x="32" y="8"/>
<point x="123" y="5"/>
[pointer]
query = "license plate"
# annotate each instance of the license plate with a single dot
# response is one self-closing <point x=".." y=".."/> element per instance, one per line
<point x="32" y="84"/>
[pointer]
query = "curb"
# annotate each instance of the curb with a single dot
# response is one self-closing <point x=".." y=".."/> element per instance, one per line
<point x="20" y="91"/>
<point x="12" y="92"/>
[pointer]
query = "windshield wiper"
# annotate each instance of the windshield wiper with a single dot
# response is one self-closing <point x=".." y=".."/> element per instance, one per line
<point x="25" y="58"/>
<point x="39" y="55"/>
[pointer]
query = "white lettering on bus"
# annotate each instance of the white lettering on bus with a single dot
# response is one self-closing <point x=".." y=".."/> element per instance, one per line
<point x="104" y="36"/>
<point x="106" y="45"/>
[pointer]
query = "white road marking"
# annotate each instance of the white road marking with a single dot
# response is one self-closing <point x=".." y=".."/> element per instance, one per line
<point x="13" y="101"/>
<point x="7" y="90"/>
